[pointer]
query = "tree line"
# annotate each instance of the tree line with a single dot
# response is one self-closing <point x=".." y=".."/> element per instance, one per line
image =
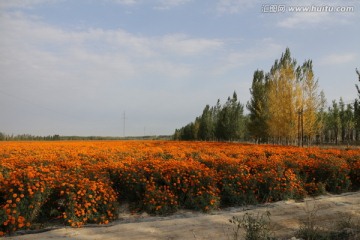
<point x="57" y="137"/>
<point x="220" y="122"/>
<point x="286" y="107"/>
<point x="28" y="137"/>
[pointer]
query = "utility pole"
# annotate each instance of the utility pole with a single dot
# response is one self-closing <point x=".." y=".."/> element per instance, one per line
<point x="124" y="118"/>
<point x="301" y="128"/>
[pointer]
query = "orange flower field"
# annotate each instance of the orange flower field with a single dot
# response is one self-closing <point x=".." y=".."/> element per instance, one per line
<point x="84" y="182"/>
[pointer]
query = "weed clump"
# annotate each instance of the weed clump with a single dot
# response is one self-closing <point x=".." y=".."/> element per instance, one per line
<point x="256" y="227"/>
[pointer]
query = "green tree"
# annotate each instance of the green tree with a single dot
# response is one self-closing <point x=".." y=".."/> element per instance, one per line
<point x="342" y="116"/>
<point x="357" y="87"/>
<point x="357" y="118"/>
<point x="349" y="124"/>
<point x="225" y="122"/>
<point x="215" y="111"/>
<point x="334" y="122"/>
<point x="347" y="119"/>
<point x="230" y="122"/>
<point x="195" y="129"/>
<point x="257" y="107"/>
<point x="357" y="109"/>
<point x="206" y="128"/>
<point x="2" y="136"/>
<point x="187" y="132"/>
<point x="321" y="118"/>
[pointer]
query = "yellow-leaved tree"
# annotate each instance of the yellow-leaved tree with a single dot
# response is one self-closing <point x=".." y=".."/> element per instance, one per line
<point x="293" y="101"/>
<point x="310" y="103"/>
<point x="283" y="94"/>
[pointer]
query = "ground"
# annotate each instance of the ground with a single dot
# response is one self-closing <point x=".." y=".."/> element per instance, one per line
<point x="285" y="218"/>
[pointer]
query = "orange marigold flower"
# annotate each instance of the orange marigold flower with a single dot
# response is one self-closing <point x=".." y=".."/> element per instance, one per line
<point x="21" y="219"/>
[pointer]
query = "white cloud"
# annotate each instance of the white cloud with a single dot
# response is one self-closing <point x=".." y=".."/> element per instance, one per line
<point x="158" y="4"/>
<point x="262" y="50"/>
<point x="315" y="15"/>
<point x="183" y="45"/>
<point x="90" y="73"/>
<point x="167" y="4"/>
<point x="303" y="20"/>
<point x="125" y="2"/>
<point x="171" y="70"/>
<point x="234" y="6"/>
<point x="293" y="19"/>
<point x="337" y="58"/>
<point x="24" y="3"/>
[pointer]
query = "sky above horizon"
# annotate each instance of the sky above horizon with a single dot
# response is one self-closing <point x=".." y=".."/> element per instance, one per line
<point x="75" y="67"/>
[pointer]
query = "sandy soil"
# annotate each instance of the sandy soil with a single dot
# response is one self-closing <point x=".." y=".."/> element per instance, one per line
<point x="285" y="218"/>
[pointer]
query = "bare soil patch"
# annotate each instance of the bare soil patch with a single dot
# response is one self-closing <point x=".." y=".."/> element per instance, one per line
<point x="285" y="216"/>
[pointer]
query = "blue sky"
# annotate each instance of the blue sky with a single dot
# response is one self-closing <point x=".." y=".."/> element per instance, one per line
<point x="75" y="67"/>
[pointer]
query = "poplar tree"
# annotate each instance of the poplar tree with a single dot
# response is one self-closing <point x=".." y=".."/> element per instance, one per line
<point x="292" y="100"/>
<point x="321" y="118"/>
<point x="357" y="87"/>
<point x="334" y="121"/>
<point x="206" y="127"/>
<point x="357" y="118"/>
<point x="310" y="101"/>
<point x="357" y="109"/>
<point x="282" y="99"/>
<point x="230" y="122"/>
<point x="257" y="106"/>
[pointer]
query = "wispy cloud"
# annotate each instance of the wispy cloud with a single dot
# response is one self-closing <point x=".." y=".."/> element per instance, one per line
<point x="303" y="20"/>
<point x="24" y="3"/>
<point x="235" y="6"/>
<point x="294" y="19"/>
<point x="154" y="71"/>
<point x="125" y="2"/>
<point x="262" y="50"/>
<point x="95" y="68"/>
<point x="315" y="13"/>
<point x="168" y="4"/>
<point x="184" y="45"/>
<point x="337" y="58"/>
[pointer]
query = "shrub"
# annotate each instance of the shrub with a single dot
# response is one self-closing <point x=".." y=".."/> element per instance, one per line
<point x="23" y="192"/>
<point x="186" y="184"/>
<point x="84" y="201"/>
<point x="255" y="227"/>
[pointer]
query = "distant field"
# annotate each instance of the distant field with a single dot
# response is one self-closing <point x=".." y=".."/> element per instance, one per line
<point x="81" y="182"/>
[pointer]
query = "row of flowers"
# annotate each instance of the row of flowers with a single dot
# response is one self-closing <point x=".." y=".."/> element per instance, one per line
<point x="83" y="182"/>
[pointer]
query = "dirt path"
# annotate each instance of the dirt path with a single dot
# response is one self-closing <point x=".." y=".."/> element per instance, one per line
<point x="285" y="217"/>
